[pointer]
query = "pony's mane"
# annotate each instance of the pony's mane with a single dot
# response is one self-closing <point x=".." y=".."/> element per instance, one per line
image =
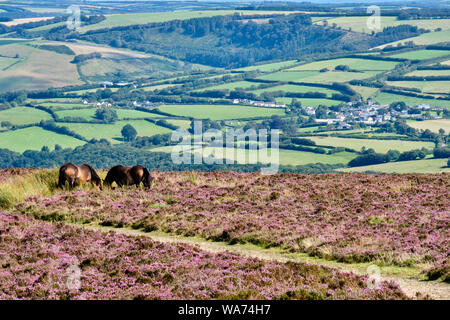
<point x="93" y="172"/>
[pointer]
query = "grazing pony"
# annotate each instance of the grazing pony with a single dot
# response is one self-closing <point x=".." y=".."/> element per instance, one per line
<point x="125" y="176"/>
<point x="76" y="175"/>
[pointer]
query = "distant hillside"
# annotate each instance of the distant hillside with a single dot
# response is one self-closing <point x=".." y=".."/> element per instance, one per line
<point x="229" y="41"/>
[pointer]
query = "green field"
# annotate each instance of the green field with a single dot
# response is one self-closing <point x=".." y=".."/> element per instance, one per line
<point x="433" y="125"/>
<point x="424" y="39"/>
<point x="24" y="115"/>
<point x="424" y="86"/>
<point x="231" y="86"/>
<point x="57" y="106"/>
<point x="112" y="133"/>
<point x="269" y="67"/>
<point x="183" y="124"/>
<point x="359" y="24"/>
<point x="157" y="87"/>
<point x="388" y="98"/>
<point x="365" y="92"/>
<point x="428" y="73"/>
<point x="289" y="76"/>
<point x="89" y="113"/>
<point x="34" y="138"/>
<point x="416" y="166"/>
<point x="422" y="54"/>
<point x="356" y="64"/>
<point x="310" y="102"/>
<point x="308" y="129"/>
<point x="220" y="112"/>
<point x="318" y="77"/>
<point x="286" y="157"/>
<point x="381" y="146"/>
<point x="296" y="89"/>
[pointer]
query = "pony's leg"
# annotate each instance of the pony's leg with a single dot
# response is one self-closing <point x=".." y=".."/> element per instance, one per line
<point x="61" y="182"/>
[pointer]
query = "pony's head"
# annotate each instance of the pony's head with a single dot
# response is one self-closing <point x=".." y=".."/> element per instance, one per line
<point x="95" y="178"/>
<point x="147" y="180"/>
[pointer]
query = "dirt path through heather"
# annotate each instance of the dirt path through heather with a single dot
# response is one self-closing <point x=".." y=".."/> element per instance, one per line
<point x="410" y="285"/>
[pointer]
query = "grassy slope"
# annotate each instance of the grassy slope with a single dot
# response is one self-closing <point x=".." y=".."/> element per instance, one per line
<point x="24" y="115"/>
<point x="286" y="157"/>
<point x="433" y="125"/>
<point x="220" y="112"/>
<point x="387" y="98"/>
<point x="358" y="64"/>
<point x="424" y="39"/>
<point x="417" y="166"/>
<point x="359" y="24"/>
<point x="421" y="54"/>
<point x="112" y="133"/>
<point x="378" y="145"/>
<point x="89" y="113"/>
<point x="35" y="138"/>
<point x="424" y="86"/>
<point x="36" y="69"/>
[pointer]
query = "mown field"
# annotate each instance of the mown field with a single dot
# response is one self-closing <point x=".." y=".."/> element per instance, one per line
<point x="296" y="89"/>
<point x="24" y="115"/>
<point x="424" y="86"/>
<point x="112" y="132"/>
<point x="418" y="166"/>
<point x="433" y="125"/>
<point x="319" y="77"/>
<point x="388" y="98"/>
<point x="266" y="156"/>
<point x="359" y="24"/>
<point x="89" y="114"/>
<point x="356" y="64"/>
<point x="422" y="54"/>
<point x="423" y="39"/>
<point x="220" y="112"/>
<point x="34" y="138"/>
<point x="381" y="146"/>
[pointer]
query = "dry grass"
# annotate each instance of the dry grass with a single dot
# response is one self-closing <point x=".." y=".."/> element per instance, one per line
<point x="26" y="20"/>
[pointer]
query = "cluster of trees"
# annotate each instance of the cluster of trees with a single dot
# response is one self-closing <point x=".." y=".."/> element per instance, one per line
<point x="57" y="48"/>
<point x="102" y="155"/>
<point x="370" y="157"/>
<point x="106" y="114"/>
<point x="88" y="56"/>
<point x="400" y="127"/>
<point x="391" y="34"/>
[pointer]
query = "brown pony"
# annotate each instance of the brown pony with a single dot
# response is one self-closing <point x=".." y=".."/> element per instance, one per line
<point x="125" y="176"/>
<point x="76" y="175"/>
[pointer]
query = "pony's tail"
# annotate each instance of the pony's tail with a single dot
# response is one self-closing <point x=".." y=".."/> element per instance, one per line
<point x="147" y="180"/>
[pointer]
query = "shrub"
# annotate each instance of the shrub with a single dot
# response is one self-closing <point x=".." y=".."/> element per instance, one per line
<point x="443" y="152"/>
<point x="369" y="159"/>
<point x="303" y="141"/>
